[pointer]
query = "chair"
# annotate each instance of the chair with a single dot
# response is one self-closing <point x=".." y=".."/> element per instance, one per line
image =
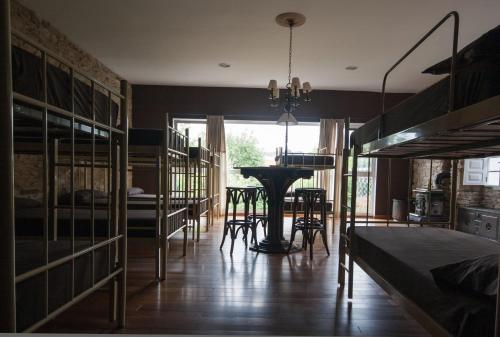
<point x="311" y="218"/>
<point x="261" y="218"/>
<point x="232" y="224"/>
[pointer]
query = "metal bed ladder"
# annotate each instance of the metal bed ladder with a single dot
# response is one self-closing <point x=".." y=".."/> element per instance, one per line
<point x="344" y="237"/>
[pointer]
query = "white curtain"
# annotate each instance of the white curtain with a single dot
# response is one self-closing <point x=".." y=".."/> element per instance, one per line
<point x="327" y="138"/>
<point x="216" y="141"/>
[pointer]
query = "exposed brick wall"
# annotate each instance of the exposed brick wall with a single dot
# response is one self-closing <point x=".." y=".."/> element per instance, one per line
<point x="421" y="172"/>
<point x="28" y="168"/>
<point x="469" y="195"/>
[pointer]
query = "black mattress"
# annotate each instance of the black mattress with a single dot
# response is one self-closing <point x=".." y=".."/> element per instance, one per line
<point x="141" y="221"/>
<point x="27" y="80"/>
<point x="474" y="83"/>
<point x="308" y="160"/>
<point x="404" y="258"/>
<point x="288" y="205"/>
<point x="29" y="293"/>
<point x="154" y="137"/>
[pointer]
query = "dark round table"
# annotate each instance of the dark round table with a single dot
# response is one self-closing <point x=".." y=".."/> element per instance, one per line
<point x="276" y="180"/>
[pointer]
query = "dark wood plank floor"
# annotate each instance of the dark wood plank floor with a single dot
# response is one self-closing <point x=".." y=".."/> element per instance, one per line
<point x="210" y="292"/>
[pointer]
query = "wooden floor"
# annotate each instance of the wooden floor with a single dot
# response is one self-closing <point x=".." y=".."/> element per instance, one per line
<point x="210" y="292"/>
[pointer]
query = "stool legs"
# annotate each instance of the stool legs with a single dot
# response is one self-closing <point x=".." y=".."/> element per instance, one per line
<point x="232" y="226"/>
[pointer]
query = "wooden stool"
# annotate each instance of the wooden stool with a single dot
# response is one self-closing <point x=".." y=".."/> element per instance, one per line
<point x="311" y="219"/>
<point x="248" y="197"/>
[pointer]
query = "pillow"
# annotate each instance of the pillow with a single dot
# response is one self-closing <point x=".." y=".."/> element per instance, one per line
<point x="487" y="47"/>
<point x="479" y="276"/>
<point x="135" y="191"/>
<point x="26" y="203"/>
<point x="82" y="197"/>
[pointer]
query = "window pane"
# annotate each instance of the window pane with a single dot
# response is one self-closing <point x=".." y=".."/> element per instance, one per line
<point x="493" y="179"/>
<point x="494" y="164"/>
<point x="196" y="130"/>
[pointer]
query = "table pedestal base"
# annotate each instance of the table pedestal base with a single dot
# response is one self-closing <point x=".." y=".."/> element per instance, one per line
<point x="267" y="247"/>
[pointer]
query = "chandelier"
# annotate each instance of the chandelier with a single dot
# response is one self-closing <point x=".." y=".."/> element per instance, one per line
<point x="291" y="99"/>
<point x="293" y="88"/>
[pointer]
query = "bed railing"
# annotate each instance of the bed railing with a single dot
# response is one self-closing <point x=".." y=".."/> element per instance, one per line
<point x="451" y="98"/>
<point x="115" y="241"/>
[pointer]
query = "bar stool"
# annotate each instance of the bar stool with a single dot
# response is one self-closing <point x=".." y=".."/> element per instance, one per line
<point x="235" y="196"/>
<point x="261" y="218"/>
<point x="311" y="219"/>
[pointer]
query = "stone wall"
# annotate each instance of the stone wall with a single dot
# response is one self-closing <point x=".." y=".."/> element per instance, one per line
<point x="29" y="168"/>
<point x="469" y="195"/>
<point x="421" y="172"/>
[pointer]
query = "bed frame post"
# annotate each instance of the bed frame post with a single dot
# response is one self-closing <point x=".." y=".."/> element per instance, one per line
<point x="158" y="172"/>
<point x="166" y="201"/>
<point x="453" y="193"/>
<point x="410" y="191"/>
<point x="497" y="317"/>
<point x="389" y="190"/>
<point x="429" y="195"/>
<point x="7" y="251"/>
<point x="122" y="277"/>
<point x="352" y="224"/>
<point x="186" y="194"/>
<point x="343" y="205"/>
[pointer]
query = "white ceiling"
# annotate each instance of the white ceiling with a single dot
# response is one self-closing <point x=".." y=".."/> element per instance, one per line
<point x="182" y="42"/>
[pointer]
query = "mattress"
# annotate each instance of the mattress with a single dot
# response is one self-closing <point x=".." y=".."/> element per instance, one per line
<point x="29" y="293"/>
<point x="288" y="205"/>
<point x="154" y="137"/>
<point x="404" y="258"/>
<point x="141" y="221"/>
<point x="307" y="160"/>
<point x="474" y="83"/>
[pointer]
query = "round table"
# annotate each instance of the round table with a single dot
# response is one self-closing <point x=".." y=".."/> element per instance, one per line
<point x="276" y="180"/>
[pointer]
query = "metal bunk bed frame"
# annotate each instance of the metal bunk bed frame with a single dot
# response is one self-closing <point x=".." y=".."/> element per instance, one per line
<point x="170" y="163"/>
<point x="116" y="278"/>
<point x="199" y="182"/>
<point x="439" y="138"/>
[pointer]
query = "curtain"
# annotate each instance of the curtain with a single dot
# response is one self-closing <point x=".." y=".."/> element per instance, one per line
<point x="327" y="138"/>
<point x="216" y="141"/>
<point x="338" y="166"/>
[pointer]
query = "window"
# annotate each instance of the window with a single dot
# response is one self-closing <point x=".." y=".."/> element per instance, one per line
<point x="255" y="143"/>
<point x="365" y="188"/>
<point x="197" y="129"/>
<point x="482" y="171"/>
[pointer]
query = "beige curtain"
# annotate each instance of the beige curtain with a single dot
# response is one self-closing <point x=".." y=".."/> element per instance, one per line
<point x="338" y="164"/>
<point x="216" y="141"/>
<point x="327" y="138"/>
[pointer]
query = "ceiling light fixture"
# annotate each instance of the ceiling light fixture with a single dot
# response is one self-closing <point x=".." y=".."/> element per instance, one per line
<point x="351" y="68"/>
<point x="292" y="89"/>
<point x="224" y="65"/>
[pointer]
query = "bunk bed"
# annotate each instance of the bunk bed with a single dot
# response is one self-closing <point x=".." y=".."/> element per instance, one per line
<point x="408" y="261"/>
<point x="69" y="125"/>
<point x="166" y="152"/>
<point x="323" y="164"/>
<point x="199" y="181"/>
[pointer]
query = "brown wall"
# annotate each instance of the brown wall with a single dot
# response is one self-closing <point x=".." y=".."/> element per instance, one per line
<point x="28" y="169"/>
<point x="399" y="184"/>
<point x="151" y="101"/>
